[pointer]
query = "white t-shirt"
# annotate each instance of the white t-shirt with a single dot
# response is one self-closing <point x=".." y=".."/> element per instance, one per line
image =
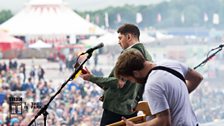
<point x="164" y="90"/>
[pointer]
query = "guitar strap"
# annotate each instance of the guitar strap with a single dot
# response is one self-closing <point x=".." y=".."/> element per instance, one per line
<point x="172" y="71"/>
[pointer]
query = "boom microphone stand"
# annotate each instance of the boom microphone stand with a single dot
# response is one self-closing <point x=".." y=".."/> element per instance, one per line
<point x="43" y="110"/>
<point x="218" y="49"/>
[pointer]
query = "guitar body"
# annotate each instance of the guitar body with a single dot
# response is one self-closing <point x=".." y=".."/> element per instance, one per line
<point x="142" y="106"/>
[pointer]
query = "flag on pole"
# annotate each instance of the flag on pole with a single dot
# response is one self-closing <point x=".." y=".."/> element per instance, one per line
<point x="97" y="19"/>
<point x="106" y="18"/>
<point x="182" y="18"/>
<point x="118" y="18"/>
<point x="88" y="17"/>
<point x="215" y="18"/>
<point x="205" y="17"/>
<point x="159" y="17"/>
<point x="139" y="18"/>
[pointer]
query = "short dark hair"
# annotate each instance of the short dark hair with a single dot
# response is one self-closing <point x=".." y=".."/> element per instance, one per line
<point x="129" y="61"/>
<point x="129" y="28"/>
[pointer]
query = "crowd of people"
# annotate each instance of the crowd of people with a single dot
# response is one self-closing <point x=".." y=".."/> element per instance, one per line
<point x="81" y="99"/>
<point x="207" y="102"/>
<point x="77" y="104"/>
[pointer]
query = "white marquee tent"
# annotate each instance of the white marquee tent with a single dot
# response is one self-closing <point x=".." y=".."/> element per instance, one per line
<point x="49" y="17"/>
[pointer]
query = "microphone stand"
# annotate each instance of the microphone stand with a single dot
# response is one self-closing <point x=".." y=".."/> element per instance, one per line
<point x="43" y="110"/>
<point x="209" y="57"/>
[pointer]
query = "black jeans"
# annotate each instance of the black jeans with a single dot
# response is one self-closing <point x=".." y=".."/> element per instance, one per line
<point x="109" y="117"/>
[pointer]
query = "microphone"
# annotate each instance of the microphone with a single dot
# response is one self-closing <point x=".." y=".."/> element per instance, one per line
<point x="89" y="51"/>
<point x="222" y="45"/>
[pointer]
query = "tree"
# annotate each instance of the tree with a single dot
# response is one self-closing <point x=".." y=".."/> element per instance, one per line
<point x="5" y="15"/>
<point x="176" y="13"/>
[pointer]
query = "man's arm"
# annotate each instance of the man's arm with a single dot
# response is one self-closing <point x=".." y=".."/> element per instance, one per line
<point x="105" y="82"/>
<point x="102" y="82"/>
<point x="193" y="79"/>
<point x="162" y="119"/>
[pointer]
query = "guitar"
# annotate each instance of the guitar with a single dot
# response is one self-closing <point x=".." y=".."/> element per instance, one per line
<point x="141" y="106"/>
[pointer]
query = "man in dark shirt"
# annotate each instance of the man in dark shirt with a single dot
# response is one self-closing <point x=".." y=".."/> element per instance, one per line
<point x="119" y="101"/>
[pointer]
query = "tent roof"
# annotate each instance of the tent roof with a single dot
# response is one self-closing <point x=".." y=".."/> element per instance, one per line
<point x="6" y="38"/>
<point x="49" y="17"/>
<point x="40" y="44"/>
<point x="8" y="42"/>
<point x="46" y="2"/>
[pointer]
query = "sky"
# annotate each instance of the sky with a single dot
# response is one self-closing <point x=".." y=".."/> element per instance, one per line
<point x="80" y="5"/>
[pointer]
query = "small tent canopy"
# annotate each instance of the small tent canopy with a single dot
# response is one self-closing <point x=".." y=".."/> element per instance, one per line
<point x="112" y="39"/>
<point x="108" y="39"/>
<point x="145" y="38"/>
<point x="8" y="42"/>
<point x="40" y="44"/>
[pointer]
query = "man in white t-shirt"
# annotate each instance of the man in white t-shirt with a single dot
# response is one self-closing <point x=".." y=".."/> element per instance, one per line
<point x="166" y="93"/>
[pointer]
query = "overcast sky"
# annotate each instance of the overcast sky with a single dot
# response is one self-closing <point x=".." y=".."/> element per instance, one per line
<point x="80" y="5"/>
